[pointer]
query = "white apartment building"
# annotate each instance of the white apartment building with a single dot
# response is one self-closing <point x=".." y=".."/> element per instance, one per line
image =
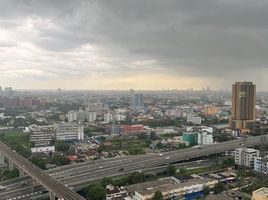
<point x="91" y="116"/>
<point x="72" y="116"/>
<point x="69" y="131"/>
<point x="43" y="149"/>
<point x="42" y="138"/>
<point x="261" y="165"/>
<point x="120" y="117"/>
<point x="205" y="138"/>
<point x="245" y="157"/>
<point x="108" y="117"/>
<point x="194" y="120"/>
<point x="81" y="116"/>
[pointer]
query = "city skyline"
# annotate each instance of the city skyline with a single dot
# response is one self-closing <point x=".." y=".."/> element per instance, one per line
<point x="122" y="45"/>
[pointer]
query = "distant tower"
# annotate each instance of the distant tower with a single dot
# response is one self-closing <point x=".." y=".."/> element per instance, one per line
<point x="137" y="100"/>
<point x="243" y="106"/>
<point x="9" y="91"/>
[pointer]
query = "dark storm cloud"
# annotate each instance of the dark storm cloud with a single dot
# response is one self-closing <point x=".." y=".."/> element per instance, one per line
<point x="205" y="38"/>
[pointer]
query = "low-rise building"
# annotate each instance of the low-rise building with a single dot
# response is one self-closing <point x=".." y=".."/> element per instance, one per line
<point x="69" y="131"/>
<point x="115" y="192"/>
<point x="194" y="120"/>
<point x="245" y="157"/>
<point x="46" y="149"/>
<point x="260" y="194"/>
<point x="170" y="187"/>
<point x="42" y="138"/>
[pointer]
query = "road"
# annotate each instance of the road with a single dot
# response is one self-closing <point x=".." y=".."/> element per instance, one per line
<point x="50" y="183"/>
<point x="77" y="176"/>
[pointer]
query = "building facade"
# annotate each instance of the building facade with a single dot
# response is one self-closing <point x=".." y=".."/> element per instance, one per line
<point x="243" y="105"/>
<point x="245" y="157"/>
<point x="137" y="100"/>
<point x="69" y="131"/>
<point x="261" y="165"/>
<point x="260" y="194"/>
<point x="205" y="138"/>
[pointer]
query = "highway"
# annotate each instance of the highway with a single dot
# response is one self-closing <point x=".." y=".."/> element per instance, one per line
<point x="50" y="183"/>
<point x="77" y="176"/>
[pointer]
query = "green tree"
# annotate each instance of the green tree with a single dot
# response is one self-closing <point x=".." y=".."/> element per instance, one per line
<point x="96" y="192"/>
<point x="39" y="162"/>
<point x="153" y="136"/>
<point x="142" y="136"/>
<point x="220" y="187"/>
<point x="106" y="181"/>
<point x="60" y="160"/>
<point x="61" y="146"/>
<point x="157" y="196"/>
<point x="182" y="171"/>
<point x="11" y="174"/>
<point x="206" y="190"/>
<point x="171" y="170"/>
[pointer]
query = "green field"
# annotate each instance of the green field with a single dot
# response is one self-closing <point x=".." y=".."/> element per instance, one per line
<point x="18" y="141"/>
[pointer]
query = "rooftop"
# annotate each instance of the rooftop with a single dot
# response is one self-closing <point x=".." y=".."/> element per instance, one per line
<point x="262" y="191"/>
<point x="164" y="185"/>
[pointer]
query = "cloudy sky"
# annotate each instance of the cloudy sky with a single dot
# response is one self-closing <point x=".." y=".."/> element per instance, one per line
<point x="122" y="44"/>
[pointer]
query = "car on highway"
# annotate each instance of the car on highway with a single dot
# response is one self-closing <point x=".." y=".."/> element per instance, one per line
<point x="160" y="154"/>
<point x="2" y="187"/>
<point x="23" y="183"/>
<point x="167" y="158"/>
<point x="121" y="169"/>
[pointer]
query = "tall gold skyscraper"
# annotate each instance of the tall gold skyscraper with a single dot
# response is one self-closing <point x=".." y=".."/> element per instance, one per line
<point x="243" y="105"/>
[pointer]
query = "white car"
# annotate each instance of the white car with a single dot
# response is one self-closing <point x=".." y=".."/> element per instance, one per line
<point x="2" y="187"/>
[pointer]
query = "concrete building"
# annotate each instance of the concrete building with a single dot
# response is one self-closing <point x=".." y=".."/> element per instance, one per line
<point x="69" y="131"/>
<point x="108" y="117"/>
<point x="243" y="105"/>
<point x="205" y="138"/>
<point x="72" y="116"/>
<point x="42" y="138"/>
<point x="137" y="100"/>
<point x="245" y="157"/>
<point x="95" y="107"/>
<point x="194" y="120"/>
<point x="260" y="194"/>
<point x="173" y="113"/>
<point x="115" y="192"/>
<point x="119" y="117"/>
<point x="46" y="149"/>
<point x="91" y="116"/>
<point x="170" y="187"/>
<point x="81" y="116"/>
<point x="211" y="110"/>
<point x="261" y="165"/>
<point x="9" y="91"/>
<point x="191" y="138"/>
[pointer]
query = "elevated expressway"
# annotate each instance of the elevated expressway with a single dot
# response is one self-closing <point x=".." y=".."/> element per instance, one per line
<point x="55" y="188"/>
<point x="78" y="175"/>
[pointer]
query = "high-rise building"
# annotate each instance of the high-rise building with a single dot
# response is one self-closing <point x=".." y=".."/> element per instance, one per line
<point x="137" y="100"/>
<point x="9" y="91"/>
<point x="243" y="105"/>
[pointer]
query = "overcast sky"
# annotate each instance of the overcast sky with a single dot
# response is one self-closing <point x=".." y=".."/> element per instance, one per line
<point x="140" y="44"/>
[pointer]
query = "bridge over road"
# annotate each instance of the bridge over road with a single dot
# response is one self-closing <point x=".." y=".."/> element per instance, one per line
<point x="55" y="188"/>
